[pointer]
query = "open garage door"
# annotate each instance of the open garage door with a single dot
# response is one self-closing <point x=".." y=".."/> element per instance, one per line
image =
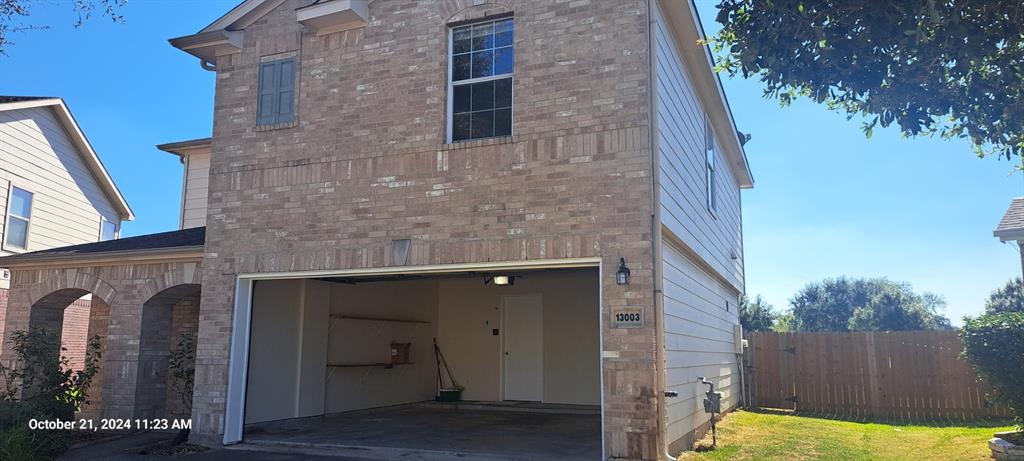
<point x="349" y="362"/>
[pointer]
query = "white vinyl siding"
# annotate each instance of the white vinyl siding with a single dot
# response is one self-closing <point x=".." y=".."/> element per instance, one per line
<point x="194" y="195"/>
<point x="683" y="174"/>
<point x="37" y="156"/>
<point x="699" y="340"/>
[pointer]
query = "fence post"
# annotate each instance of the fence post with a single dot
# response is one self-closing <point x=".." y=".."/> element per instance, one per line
<point x="874" y="393"/>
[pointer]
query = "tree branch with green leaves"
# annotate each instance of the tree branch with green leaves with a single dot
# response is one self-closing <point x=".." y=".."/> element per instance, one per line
<point x="948" y="67"/>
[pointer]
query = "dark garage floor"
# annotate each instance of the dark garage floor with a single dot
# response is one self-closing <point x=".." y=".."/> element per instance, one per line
<point x="482" y="432"/>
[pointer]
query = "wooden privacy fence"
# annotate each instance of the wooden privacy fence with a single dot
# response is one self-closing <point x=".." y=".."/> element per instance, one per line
<point x="900" y="375"/>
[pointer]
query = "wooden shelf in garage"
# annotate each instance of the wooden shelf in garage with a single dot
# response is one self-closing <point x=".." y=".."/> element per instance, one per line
<point x="366" y="365"/>
<point x="377" y="319"/>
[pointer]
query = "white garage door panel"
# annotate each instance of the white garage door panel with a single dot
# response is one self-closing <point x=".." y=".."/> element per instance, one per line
<point x="698" y="339"/>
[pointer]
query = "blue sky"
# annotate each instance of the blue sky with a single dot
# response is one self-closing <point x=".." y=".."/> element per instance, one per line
<point x="827" y="201"/>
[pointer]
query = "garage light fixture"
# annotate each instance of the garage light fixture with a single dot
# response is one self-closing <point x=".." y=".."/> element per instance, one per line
<point x="501" y="280"/>
<point x="622" y="275"/>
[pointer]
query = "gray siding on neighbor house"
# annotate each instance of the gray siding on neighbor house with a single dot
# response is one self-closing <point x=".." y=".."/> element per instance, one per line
<point x="196" y="188"/>
<point x="37" y="155"/>
<point x="701" y="279"/>
<point x="684" y="212"/>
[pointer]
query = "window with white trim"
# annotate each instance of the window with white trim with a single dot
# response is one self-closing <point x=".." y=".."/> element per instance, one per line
<point x="709" y="152"/>
<point x="108" y="230"/>
<point x="19" y="215"/>
<point x="481" y="60"/>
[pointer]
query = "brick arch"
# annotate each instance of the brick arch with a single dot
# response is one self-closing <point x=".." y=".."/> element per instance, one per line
<point x="463" y="10"/>
<point x="68" y="281"/>
<point x="162" y="317"/>
<point x="188" y="273"/>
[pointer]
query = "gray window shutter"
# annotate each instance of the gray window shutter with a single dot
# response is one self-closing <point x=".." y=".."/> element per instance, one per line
<point x="286" y="92"/>
<point x="266" y="110"/>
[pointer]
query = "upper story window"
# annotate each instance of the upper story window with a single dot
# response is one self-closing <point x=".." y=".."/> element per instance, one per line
<point x="481" y="60"/>
<point x="276" y="103"/>
<point x="108" y="230"/>
<point x="709" y="151"/>
<point x="19" y="214"/>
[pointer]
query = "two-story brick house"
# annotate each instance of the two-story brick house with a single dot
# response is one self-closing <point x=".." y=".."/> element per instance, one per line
<point x="548" y="189"/>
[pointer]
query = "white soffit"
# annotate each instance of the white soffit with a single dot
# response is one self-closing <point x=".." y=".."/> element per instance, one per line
<point x="334" y="16"/>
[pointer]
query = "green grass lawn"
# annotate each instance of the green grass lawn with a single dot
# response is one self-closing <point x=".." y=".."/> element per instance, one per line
<point x="763" y="435"/>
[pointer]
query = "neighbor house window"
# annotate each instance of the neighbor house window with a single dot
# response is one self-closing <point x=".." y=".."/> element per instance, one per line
<point x="108" y="230"/>
<point x="709" y="152"/>
<point x="276" y="103"/>
<point x="19" y="213"/>
<point x="482" y="60"/>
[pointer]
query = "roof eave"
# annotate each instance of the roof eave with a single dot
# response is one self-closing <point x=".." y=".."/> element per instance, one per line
<point x="77" y="136"/>
<point x="207" y="46"/>
<point x="700" y="64"/>
<point x="1009" y="235"/>
<point x="184" y="148"/>
<point x="118" y="257"/>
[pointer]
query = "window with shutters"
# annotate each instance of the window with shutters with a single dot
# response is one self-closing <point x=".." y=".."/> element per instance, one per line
<point x="276" y="105"/>
<point x="481" y="59"/>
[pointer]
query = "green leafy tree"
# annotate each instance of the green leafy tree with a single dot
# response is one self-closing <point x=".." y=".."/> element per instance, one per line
<point x="1009" y="298"/>
<point x="892" y="310"/>
<point x="947" y="67"/>
<point x="829" y="305"/>
<point x="12" y="11"/>
<point x="784" y="323"/>
<point x="757" y="315"/>
<point x="845" y="304"/>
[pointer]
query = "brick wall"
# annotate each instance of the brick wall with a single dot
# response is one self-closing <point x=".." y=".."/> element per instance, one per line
<point x="367" y="163"/>
<point x="4" y="294"/>
<point x="38" y="298"/>
<point x="184" y="320"/>
<point x="74" y="337"/>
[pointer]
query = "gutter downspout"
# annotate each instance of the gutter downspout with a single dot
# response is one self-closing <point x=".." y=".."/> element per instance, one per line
<point x="656" y="269"/>
<point x="207" y="65"/>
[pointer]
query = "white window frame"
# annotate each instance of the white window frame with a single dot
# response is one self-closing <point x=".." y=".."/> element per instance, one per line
<point x="117" y="229"/>
<point x="451" y="84"/>
<point x="710" y="158"/>
<point x="8" y="214"/>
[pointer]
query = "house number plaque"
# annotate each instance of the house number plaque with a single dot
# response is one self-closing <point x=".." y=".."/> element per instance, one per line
<point x="628" y="318"/>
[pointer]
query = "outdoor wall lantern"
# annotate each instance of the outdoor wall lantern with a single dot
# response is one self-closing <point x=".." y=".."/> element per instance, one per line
<point x="622" y="275"/>
<point x="501" y="280"/>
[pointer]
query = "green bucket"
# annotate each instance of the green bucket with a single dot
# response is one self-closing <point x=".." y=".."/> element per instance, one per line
<point x="449" y="395"/>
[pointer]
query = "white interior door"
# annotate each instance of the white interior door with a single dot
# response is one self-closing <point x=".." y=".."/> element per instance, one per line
<point x="523" y="344"/>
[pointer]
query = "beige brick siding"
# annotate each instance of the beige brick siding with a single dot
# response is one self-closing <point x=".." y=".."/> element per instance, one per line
<point x="367" y="163"/>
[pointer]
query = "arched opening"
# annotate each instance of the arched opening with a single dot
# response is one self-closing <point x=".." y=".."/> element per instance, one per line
<point x="71" y="317"/>
<point x="170" y="322"/>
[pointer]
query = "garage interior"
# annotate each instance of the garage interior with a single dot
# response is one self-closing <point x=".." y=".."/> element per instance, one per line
<point x="350" y="362"/>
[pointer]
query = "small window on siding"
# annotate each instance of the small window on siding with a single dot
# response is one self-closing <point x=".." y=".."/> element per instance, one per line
<point x="19" y="215"/>
<point x="276" y="103"/>
<point x="108" y="230"/>
<point x="709" y="151"/>
<point x="482" y="60"/>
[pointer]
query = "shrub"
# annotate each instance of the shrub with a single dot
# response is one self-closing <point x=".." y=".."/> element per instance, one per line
<point x="40" y="385"/>
<point x="994" y="344"/>
<point x="182" y="367"/>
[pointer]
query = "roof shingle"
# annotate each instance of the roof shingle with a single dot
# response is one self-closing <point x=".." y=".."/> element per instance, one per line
<point x="7" y="99"/>
<point x="184" y="238"/>
<point x="1013" y="220"/>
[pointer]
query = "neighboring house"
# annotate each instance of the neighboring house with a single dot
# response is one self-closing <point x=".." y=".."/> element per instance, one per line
<point x="1011" y="227"/>
<point x="54" y="192"/>
<point x="549" y="189"/>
